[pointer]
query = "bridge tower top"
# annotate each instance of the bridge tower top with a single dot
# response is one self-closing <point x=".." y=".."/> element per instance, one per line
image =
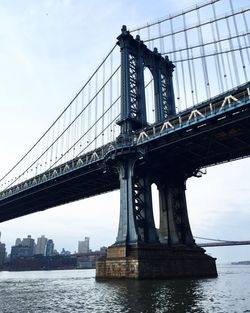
<point x="135" y="57"/>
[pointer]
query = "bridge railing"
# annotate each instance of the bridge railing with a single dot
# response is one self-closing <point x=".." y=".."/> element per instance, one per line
<point x="235" y="98"/>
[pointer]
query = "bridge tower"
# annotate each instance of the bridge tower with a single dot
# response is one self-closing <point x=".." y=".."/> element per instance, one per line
<point x="140" y="250"/>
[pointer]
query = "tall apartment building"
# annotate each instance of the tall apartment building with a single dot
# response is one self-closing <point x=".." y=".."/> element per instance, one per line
<point x="18" y="242"/>
<point x="26" y="248"/>
<point x="83" y="246"/>
<point x="29" y="242"/>
<point x="2" y="253"/>
<point x="50" y="247"/>
<point x="41" y="245"/>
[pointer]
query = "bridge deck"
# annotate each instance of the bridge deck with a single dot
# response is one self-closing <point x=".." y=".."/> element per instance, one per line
<point x="215" y="131"/>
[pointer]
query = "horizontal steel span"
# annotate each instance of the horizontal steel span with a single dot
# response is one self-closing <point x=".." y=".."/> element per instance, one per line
<point x="224" y="243"/>
<point x="215" y="131"/>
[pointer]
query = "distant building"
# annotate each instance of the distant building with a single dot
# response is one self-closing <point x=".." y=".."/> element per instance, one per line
<point x="41" y="245"/>
<point x="20" y="251"/>
<point x="83" y="246"/>
<point x="65" y="252"/>
<point x="18" y="242"/>
<point x="29" y="242"/>
<point x="26" y="248"/>
<point x="103" y="250"/>
<point x="2" y="253"/>
<point x="50" y="248"/>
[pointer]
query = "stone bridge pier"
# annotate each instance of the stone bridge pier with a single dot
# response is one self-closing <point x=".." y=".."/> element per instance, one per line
<point x="140" y="250"/>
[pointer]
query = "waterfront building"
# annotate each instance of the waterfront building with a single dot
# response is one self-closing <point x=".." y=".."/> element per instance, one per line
<point x="41" y="245"/>
<point x="65" y="252"/>
<point x="50" y="248"/>
<point x="2" y="253"/>
<point x="18" y="242"/>
<point x="20" y="251"/>
<point x="83" y="246"/>
<point x="25" y="248"/>
<point x="29" y="242"/>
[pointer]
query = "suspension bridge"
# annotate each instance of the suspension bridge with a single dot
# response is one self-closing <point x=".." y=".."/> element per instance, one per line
<point x="170" y="98"/>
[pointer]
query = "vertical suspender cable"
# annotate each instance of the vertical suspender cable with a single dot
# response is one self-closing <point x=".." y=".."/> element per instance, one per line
<point x="51" y="149"/>
<point x="193" y="71"/>
<point x="89" y="114"/>
<point x="217" y="62"/>
<point x="246" y="26"/>
<point x="183" y="80"/>
<point x="236" y="73"/>
<point x="150" y="42"/>
<point x="162" y="45"/>
<point x="230" y="69"/>
<point x="220" y="47"/>
<point x="57" y="134"/>
<point x="247" y="35"/>
<point x="63" y="137"/>
<point x="238" y="40"/>
<point x="69" y="133"/>
<point x="76" y="127"/>
<point x="111" y="95"/>
<point x="176" y="70"/>
<point x="247" y="52"/>
<point x="203" y="58"/>
<point x="83" y="121"/>
<point x="103" y="101"/>
<point x="95" y="107"/>
<point x="188" y="57"/>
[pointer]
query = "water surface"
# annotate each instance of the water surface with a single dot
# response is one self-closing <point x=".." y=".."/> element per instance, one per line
<point x="78" y="291"/>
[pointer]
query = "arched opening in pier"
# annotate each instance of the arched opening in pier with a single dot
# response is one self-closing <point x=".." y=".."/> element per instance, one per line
<point x="149" y="95"/>
<point x="155" y="203"/>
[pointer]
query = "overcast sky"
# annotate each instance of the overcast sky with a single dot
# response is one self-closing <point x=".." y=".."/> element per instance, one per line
<point x="48" y="49"/>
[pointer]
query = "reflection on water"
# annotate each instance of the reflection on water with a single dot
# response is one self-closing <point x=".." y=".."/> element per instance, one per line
<point x="157" y="296"/>
<point x="77" y="291"/>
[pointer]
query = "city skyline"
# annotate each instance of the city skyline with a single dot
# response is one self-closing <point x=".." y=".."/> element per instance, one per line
<point x="48" y="51"/>
<point x="40" y="243"/>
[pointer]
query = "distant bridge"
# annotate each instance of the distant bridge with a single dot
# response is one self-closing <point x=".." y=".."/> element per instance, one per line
<point x="224" y="243"/>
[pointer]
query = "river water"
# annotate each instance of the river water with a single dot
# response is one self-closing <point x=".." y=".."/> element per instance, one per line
<point x="78" y="291"/>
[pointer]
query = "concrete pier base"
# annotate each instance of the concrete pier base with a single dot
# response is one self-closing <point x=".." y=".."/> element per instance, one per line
<point x="155" y="262"/>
